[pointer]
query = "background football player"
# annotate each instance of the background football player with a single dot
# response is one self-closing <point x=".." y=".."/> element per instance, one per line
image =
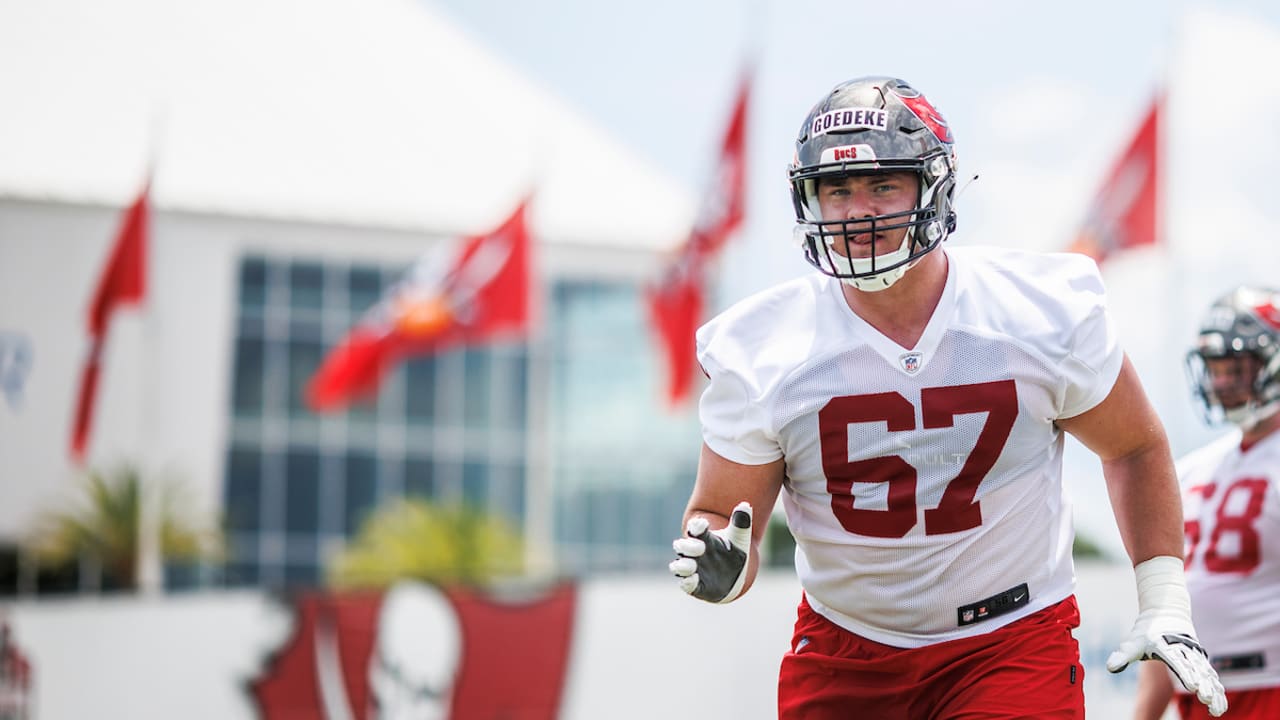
<point x="1231" y="502"/>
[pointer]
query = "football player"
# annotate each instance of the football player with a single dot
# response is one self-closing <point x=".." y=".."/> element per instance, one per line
<point x="1231" y="505"/>
<point x="911" y="401"/>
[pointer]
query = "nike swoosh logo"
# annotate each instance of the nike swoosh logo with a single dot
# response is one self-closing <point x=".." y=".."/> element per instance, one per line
<point x="1018" y="597"/>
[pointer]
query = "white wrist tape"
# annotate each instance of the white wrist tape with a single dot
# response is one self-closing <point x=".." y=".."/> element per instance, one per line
<point x="1163" y="585"/>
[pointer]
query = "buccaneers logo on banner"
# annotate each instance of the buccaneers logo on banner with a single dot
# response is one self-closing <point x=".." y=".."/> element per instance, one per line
<point x="479" y="294"/>
<point x="421" y="652"/>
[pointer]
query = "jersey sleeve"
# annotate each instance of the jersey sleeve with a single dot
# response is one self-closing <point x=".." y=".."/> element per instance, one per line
<point x="1093" y="363"/>
<point x="734" y="413"/>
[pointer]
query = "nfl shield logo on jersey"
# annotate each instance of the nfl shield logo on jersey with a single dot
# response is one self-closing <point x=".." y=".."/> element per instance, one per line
<point x="910" y="362"/>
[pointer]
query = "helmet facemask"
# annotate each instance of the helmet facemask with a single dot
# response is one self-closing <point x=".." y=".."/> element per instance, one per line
<point x="827" y="244"/>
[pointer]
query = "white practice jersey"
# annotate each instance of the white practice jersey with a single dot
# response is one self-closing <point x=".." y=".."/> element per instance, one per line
<point x="1231" y="505"/>
<point x="923" y="485"/>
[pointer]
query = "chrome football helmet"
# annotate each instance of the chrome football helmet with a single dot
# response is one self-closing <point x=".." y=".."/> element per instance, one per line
<point x="863" y="126"/>
<point x="1243" y="325"/>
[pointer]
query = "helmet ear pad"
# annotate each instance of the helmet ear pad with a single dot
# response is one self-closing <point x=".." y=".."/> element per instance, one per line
<point x="870" y="125"/>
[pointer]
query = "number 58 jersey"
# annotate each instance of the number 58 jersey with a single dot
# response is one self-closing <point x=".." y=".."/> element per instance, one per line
<point x="1231" y="512"/>
<point x="923" y="485"/>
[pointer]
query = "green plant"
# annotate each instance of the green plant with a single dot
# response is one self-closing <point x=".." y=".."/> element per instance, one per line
<point x="105" y="524"/>
<point x="414" y="538"/>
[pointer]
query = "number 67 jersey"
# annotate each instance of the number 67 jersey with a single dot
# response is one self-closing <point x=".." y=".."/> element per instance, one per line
<point x="1231" y="508"/>
<point x="923" y="485"/>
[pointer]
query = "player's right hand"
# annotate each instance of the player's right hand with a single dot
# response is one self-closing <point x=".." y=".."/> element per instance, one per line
<point x="712" y="564"/>
<point x="1163" y="631"/>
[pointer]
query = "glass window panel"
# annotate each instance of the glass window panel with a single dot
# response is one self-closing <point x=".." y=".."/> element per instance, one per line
<point x="253" y="284"/>
<point x="273" y="490"/>
<point x="309" y="326"/>
<point x="361" y="489"/>
<point x="243" y="490"/>
<point x="362" y="411"/>
<point x="364" y="288"/>
<point x="604" y="504"/>
<point x="448" y="482"/>
<point x="301" y="575"/>
<point x="419" y="480"/>
<point x="306" y="285"/>
<point x="251" y="325"/>
<point x="302" y="491"/>
<point x="246" y="390"/>
<point x="242" y="547"/>
<point x="420" y="389"/>
<point x="508" y="491"/>
<point x="302" y="549"/>
<point x="592" y="525"/>
<point x="476" y="389"/>
<point x="510" y="371"/>
<point x="305" y="355"/>
<point x="519" y="369"/>
<point x="240" y="574"/>
<point x="475" y="484"/>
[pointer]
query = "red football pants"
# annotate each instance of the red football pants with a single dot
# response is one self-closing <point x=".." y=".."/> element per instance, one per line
<point x="1260" y="704"/>
<point x="1029" y="668"/>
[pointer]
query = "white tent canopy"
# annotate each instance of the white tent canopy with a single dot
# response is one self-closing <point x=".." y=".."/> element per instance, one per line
<point x="365" y="112"/>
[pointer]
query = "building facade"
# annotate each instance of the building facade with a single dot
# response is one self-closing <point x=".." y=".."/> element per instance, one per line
<point x="292" y="181"/>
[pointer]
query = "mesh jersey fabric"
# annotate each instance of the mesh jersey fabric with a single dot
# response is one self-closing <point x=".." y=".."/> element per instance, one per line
<point x="918" y="481"/>
<point x="1231" y="509"/>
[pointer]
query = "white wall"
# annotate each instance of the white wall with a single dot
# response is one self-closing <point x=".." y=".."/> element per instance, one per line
<point x="641" y="649"/>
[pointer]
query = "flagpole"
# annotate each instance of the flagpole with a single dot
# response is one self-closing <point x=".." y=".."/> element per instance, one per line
<point x="1164" y="177"/>
<point x="539" y="491"/>
<point x="539" y="495"/>
<point x="150" y="552"/>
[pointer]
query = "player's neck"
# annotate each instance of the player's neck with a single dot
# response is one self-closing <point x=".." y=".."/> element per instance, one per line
<point x="1257" y="433"/>
<point x="901" y="311"/>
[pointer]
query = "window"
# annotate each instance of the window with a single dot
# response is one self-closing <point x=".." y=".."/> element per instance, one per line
<point x="306" y="286"/>
<point x="362" y="489"/>
<point x="420" y="390"/>
<point x="247" y="387"/>
<point x="243" y="487"/>
<point x="452" y="427"/>
<point x="302" y="496"/>
<point x="618" y="452"/>
<point x="418" y="478"/>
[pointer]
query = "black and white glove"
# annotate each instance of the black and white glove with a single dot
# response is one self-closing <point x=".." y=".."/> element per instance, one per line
<point x="1163" y="631"/>
<point x="712" y="564"/>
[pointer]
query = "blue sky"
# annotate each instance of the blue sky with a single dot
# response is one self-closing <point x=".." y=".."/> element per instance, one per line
<point x="1041" y="98"/>
<point x="1038" y="94"/>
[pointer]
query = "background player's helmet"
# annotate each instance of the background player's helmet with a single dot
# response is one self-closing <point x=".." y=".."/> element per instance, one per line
<point x="1243" y="323"/>
<point x="867" y="125"/>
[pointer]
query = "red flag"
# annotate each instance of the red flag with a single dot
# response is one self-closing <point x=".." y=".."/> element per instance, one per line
<point x="481" y="295"/>
<point x="724" y="205"/>
<point x="1123" y="214"/>
<point x="675" y="308"/>
<point x="675" y="303"/>
<point x="123" y="282"/>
